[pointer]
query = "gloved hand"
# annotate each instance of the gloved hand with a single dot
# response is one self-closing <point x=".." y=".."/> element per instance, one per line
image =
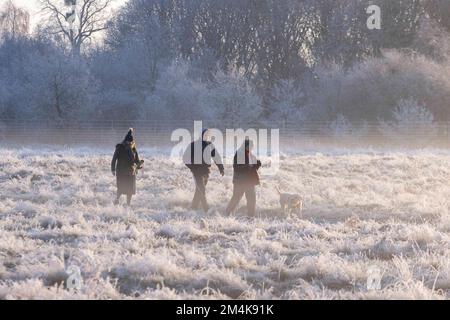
<point x="222" y="173"/>
<point x="113" y="173"/>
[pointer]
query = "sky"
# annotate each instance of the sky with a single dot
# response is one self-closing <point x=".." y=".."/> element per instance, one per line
<point x="33" y="8"/>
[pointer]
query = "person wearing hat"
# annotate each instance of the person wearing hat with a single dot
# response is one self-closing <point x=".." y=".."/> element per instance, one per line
<point x="198" y="158"/>
<point x="245" y="178"/>
<point x="124" y="166"/>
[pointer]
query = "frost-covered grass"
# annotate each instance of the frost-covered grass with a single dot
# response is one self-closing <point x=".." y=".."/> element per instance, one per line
<point x="361" y="209"/>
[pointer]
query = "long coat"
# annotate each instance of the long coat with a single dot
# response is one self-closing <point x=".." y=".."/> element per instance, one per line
<point x="245" y="167"/>
<point x="124" y="164"/>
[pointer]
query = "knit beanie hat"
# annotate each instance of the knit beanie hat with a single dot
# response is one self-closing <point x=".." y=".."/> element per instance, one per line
<point x="129" y="137"/>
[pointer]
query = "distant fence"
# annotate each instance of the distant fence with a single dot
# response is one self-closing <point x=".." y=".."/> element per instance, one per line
<point x="158" y="133"/>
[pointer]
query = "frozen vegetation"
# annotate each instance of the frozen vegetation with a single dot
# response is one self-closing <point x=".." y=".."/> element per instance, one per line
<point x="362" y="209"/>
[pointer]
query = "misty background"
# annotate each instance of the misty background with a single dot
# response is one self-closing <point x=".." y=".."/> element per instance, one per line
<point x="275" y="63"/>
<point x="70" y="88"/>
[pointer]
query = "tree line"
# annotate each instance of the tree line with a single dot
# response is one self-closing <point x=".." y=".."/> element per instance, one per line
<point x="241" y="60"/>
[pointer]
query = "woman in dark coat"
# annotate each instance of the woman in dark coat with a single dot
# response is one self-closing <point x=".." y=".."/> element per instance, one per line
<point x="124" y="166"/>
<point x="245" y="178"/>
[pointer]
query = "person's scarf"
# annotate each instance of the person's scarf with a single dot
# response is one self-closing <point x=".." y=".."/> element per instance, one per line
<point x="131" y="148"/>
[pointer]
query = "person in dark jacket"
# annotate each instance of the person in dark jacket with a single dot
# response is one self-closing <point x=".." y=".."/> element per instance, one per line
<point x="245" y="178"/>
<point x="124" y="166"/>
<point x="198" y="158"/>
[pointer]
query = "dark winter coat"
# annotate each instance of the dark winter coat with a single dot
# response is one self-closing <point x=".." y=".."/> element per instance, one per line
<point x="201" y="165"/>
<point x="124" y="164"/>
<point x="246" y="172"/>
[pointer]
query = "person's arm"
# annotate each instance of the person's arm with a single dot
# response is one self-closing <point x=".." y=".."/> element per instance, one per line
<point x="255" y="163"/>
<point x="187" y="156"/>
<point x="139" y="162"/>
<point x="258" y="164"/>
<point x="114" y="161"/>
<point x="136" y="156"/>
<point x="217" y="160"/>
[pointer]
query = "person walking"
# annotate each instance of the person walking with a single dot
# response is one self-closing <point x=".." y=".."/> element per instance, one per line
<point x="245" y="178"/>
<point x="198" y="158"/>
<point x="124" y="166"/>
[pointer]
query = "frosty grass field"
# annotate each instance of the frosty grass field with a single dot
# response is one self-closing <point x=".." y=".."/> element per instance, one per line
<point x="388" y="209"/>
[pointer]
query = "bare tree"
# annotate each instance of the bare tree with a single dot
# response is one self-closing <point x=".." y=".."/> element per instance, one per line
<point x="80" y="25"/>
<point x="13" y="20"/>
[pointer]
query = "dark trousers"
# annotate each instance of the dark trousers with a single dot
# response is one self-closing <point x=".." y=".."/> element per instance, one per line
<point x="200" y="192"/>
<point x="250" y="194"/>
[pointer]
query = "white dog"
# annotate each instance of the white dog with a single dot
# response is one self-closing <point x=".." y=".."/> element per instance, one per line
<point x="290" y="202"/>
